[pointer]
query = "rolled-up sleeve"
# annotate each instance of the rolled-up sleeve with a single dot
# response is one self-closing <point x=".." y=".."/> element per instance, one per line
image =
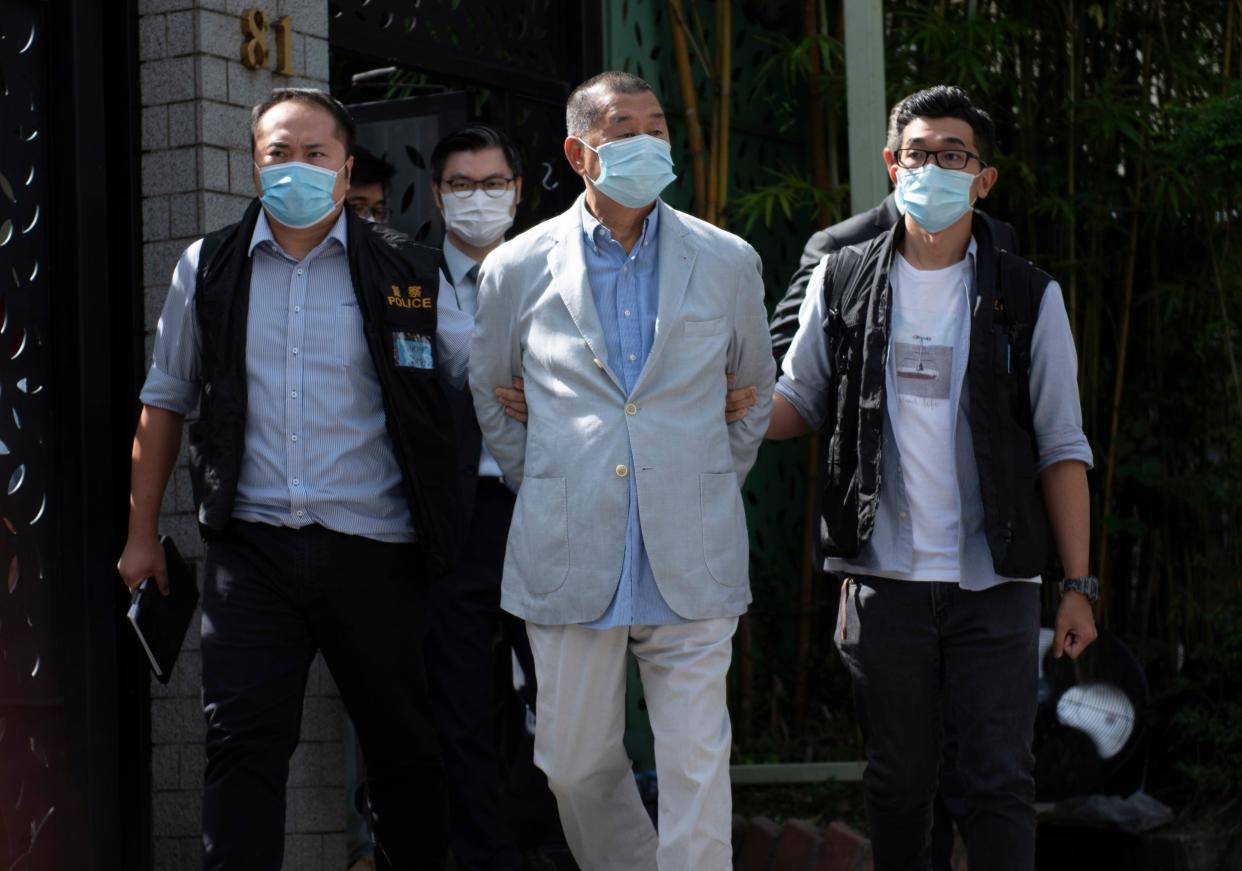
<point x="1055" y="408"/>
<point x="454" y="328"/>
<point x="806" y="372"/>
<point x="173" y="380"/>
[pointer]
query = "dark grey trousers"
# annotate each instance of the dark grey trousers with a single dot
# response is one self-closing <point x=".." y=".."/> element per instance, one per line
<point x="919" y="651"/>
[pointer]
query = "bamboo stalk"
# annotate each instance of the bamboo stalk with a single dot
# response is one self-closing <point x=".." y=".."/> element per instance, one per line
<point x="806" y="584"/>
<point x="1228" y="39"/>
<point x="818" y="128"/>
<point x="713" y="171"/>
<point x="1224" y="314"/>
<point x="1071" y="168"/>
<point x="1126" y="309"/>
<point x="690" y="105"/>
<point x="724" y="58"/>
<point x="746" y="677"/>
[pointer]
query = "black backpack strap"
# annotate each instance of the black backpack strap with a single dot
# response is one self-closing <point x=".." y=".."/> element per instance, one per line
<point x="842" y="266"/>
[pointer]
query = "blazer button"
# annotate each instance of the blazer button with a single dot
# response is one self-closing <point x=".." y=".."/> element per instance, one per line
<point x="631" y="409"/>
<point x="622" y="471"/>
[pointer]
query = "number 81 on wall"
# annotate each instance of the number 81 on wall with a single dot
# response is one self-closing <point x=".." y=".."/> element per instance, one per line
<point x="254" y="47"/>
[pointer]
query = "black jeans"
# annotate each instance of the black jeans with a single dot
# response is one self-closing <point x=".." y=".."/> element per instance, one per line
<point x="272" y="596"/>
<point x="465" y="668"/>
<point x="920" y="651"/>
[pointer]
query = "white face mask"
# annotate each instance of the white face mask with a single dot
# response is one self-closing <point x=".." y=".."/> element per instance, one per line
<point x="478" y="219"/>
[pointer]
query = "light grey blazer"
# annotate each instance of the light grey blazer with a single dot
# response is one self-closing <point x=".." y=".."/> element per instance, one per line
<point x="537" y="319"/>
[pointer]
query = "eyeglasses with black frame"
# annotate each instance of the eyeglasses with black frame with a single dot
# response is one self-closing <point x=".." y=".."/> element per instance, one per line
<point x="494" y="187"/>
<point x="377" y="213"/>
<point x="945" y="158"/>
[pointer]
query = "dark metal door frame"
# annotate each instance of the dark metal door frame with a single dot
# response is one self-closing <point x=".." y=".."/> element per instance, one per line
<point x="82" y="324"/>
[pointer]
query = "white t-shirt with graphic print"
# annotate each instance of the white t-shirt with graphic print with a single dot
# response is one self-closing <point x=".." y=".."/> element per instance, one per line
<point x="926" y="344"/>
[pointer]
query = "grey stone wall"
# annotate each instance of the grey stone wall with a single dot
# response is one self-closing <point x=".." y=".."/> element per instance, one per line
<point x="196" y="177"/>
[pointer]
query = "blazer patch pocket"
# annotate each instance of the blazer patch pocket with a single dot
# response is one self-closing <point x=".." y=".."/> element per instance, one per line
<point x="540" y="533"/>
<point x="725" y="540"/>
<point x="713" y="327"/>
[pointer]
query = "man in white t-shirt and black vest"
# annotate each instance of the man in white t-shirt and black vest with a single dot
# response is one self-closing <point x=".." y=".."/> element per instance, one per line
<point x="941" y="373"/>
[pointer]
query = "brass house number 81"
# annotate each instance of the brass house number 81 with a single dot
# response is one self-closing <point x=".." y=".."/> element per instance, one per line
<point x="254" y="48"/>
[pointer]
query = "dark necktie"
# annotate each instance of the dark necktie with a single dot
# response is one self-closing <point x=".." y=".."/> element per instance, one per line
<point x="468" y="293"/>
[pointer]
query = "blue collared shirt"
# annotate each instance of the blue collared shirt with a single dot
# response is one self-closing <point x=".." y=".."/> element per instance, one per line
<point x="317" y="449"/>
<point x="806" y="383"/>
<point x="626" y="291"/>
<point x="463" y="273"/>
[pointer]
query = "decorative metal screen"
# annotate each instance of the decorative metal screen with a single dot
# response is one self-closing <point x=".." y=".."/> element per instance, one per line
<point x="31" y="706"/>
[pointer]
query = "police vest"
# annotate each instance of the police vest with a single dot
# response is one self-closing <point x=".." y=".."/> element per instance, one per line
<point x="396" y="283"/>
<point x="858" y="302"/>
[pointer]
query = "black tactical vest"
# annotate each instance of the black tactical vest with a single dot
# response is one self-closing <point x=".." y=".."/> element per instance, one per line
<point x="396" y="283"/>
<point x="858" y="302"/>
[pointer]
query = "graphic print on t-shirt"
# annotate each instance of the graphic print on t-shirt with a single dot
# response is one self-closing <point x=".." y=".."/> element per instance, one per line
<point x="923" y="353"/>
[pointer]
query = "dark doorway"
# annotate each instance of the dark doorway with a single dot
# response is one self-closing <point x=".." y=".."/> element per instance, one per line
<point x="403" y="133"/>
<point x="517" y="60"/>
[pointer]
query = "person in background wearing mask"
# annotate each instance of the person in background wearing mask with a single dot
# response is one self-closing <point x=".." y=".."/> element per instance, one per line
<point x="477" y="175"/>
<point x="945" y="493"/>
<point x="314" y="349"/>
<point x="624" y="317"/>
<point x="368" y="186"/>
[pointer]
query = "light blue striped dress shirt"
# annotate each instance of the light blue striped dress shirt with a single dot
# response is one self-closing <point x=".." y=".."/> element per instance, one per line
<point x="317" y="449"/>
<point x="464" y="275"/>
<point x="626" y="291"/>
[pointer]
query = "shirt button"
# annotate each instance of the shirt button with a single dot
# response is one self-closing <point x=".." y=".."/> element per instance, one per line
<point x="598" y="362"/>
<point x="294" y="394"/>
<point x="627" y="312"/>
<point x="297" y="309"/>
<point x="301" y="512"/>
<point x="631" y="409"/>
<point x="903" y="515"/>
<point x="296" y="481"/>
<point x="633" y="357"/>
<point x="294" y="438"/>
<point x="299" y="270"/>
<point x="295" y="352"/>
<point x="622" y="471"/>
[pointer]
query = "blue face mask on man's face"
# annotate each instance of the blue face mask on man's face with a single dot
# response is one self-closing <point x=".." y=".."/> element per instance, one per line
<point x="298" y="195"/>
<point x="633" y="170"/>
<point x="936" y="198"/>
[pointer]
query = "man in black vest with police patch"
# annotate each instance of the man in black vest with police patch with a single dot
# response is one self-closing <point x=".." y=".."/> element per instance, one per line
<point x="323" y="464"/>
<point x="941" y="373"/>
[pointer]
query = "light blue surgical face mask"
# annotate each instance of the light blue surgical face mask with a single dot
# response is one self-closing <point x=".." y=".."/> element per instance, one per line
<point x="934" y="197"/>
<point x="633" y="170"/>
<point x="298" y="195"/>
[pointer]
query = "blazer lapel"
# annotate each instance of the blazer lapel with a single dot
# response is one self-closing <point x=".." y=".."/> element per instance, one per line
<point x="569" y="276"/>
<point x="677" y="254"/>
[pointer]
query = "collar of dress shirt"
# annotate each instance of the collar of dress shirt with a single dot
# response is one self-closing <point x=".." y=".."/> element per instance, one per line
<point x="593" y="229"/>
<point x="263" y="232"/>
<point x="459" y="263"/>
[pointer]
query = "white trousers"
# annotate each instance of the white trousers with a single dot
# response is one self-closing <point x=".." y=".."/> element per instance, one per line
<point x="580" y="722"/>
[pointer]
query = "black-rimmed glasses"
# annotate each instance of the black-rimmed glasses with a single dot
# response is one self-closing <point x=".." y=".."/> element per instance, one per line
<point x="945" y="158"/>
<point x="494" y="187"/>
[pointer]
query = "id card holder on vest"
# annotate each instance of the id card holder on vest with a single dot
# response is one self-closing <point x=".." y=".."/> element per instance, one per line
<point x="409" y="328"/>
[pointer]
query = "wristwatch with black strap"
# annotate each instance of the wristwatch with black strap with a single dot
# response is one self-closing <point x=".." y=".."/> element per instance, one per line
<point x="1088" y="585"/>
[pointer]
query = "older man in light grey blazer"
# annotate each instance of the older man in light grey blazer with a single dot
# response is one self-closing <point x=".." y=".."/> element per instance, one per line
<point x="623" y="316"/>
